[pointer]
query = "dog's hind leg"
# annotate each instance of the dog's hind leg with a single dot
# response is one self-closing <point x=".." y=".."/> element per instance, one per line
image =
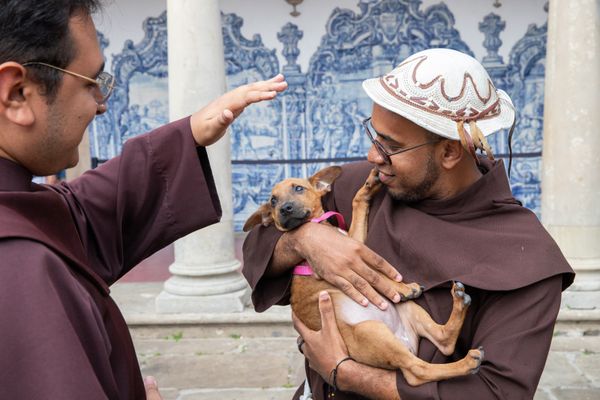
<point x="371" y="342"/>
<point x="442" y="336"/>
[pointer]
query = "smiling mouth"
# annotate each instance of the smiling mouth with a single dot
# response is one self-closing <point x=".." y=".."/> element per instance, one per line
<point x="383" y="176"/>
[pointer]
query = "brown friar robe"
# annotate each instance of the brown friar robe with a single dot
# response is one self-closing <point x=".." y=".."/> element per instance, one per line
<point x="512" y="269"/>
<point x="62" y="336"/>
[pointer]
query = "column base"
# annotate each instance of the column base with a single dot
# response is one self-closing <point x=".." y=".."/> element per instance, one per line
<point x="167" y="303"/>
<point x="581" y="301"/>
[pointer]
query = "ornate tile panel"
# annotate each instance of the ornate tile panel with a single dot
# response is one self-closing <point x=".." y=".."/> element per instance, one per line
<point x="316" y="122"/>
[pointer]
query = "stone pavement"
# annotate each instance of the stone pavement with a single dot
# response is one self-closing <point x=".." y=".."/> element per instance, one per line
<point x="251" y="356"/>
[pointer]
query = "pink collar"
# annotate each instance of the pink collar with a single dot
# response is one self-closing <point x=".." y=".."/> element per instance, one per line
<point x="305" y="269"/>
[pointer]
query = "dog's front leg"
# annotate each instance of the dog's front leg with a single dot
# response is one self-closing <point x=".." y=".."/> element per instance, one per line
<point x="360" y="206"/>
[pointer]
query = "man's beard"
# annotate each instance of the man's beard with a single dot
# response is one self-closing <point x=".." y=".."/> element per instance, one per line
<point x="419" y="191"/>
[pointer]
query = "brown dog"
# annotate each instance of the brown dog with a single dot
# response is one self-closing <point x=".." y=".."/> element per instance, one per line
<point x="384" y="339"/>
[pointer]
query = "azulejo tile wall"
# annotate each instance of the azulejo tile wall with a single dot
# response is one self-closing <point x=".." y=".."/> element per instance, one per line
<point x="316" y="122"/>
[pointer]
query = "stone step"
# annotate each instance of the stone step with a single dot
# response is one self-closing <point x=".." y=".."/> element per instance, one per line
<point x="228" y="394"/>
<point x="250" y="356"/>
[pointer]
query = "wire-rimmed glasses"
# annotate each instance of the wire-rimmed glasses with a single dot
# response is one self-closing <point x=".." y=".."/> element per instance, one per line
<point x="105" y="82"/>
<point x="380" y="147"/>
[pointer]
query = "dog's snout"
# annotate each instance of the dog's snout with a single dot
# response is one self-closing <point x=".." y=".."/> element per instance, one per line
<point x="286" y="208"/>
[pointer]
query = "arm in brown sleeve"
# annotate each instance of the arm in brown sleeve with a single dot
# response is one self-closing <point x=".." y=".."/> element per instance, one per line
<point x="515" y="329"/>
<point x="258" y="250"/>
<point x="160" y="189"/>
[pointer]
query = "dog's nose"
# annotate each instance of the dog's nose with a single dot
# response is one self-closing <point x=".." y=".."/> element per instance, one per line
<point x="286" y="209"/>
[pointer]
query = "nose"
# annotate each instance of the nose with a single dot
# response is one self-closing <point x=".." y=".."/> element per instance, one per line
<point x="101" y="109"/>
<point x="374" y="157"/>
<point x="286" y="208"/>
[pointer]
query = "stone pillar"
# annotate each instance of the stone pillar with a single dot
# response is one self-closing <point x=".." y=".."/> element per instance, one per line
<point x="294" y="99"/>
<point x="571" y="164"/>
<point x="205" y="272"/>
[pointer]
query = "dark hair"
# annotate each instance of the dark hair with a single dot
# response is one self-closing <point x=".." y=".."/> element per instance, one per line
<point x="38" y="30"/>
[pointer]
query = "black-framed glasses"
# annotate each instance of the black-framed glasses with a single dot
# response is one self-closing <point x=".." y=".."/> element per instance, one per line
<point x="105" y="82"/>
<point x="380" y="147"/>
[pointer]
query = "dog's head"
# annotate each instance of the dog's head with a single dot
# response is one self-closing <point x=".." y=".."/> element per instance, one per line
<point x="294" y="201"/>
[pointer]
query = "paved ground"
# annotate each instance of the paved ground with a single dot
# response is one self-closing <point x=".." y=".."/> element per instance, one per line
<point x="250" y="356"/>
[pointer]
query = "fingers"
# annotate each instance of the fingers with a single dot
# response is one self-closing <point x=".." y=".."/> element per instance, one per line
<point x="151" y="386"/>
<point x="277" y="78"/>
<point x="380" y="264"/>
<point x="350" y="266"/>
<point x="264" y="90"/>
<point x="350" y="291"/>
<point x="363" y="283"/>
<point x="359" y="290"/>
<point x="256" y="96"/>
<point x="326" y="311"/>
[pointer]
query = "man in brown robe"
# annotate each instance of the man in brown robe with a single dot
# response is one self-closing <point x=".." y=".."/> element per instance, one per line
<point x="61" y="247"/>
<point x="445" y="214"/>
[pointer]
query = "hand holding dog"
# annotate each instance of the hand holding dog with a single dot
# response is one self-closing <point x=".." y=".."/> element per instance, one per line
<point x="211" y="122"/>
<point x="347" y="264"/>
<point x="325" y="348"/>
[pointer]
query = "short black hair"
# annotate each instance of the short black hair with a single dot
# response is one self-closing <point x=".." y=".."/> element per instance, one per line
<point x="38" y="30"/>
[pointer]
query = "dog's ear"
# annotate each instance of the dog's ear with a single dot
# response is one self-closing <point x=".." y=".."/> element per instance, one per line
<point x="261" y="216"/>
<point x="323" y="179"/>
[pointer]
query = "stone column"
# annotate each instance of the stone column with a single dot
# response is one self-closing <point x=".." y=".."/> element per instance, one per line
<point x="205" y="272"/>
<point x="571" y="164"/>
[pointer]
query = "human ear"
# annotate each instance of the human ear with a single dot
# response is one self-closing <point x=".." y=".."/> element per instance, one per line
<point x="15" y="94"/>
<point x="452" y="153"/>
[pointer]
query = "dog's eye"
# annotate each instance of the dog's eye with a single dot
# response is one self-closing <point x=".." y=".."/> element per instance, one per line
<point x="273" y="201"/>
<point x="299" y="189"/>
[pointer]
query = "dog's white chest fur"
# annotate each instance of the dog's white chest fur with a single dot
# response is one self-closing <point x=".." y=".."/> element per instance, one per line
<point x="353" y="313"/>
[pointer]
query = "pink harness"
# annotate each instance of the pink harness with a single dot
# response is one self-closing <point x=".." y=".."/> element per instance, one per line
<point x="305" y="269"/>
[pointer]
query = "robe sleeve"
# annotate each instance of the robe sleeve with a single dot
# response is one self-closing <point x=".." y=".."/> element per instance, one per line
<point x="44" y="311"/>
<point x="515" y="329"/>
<point x="257" y="251"/>
<point x="160" y="189"/>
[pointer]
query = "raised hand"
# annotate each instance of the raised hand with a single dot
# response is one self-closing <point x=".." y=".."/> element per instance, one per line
<point x="211" y="122"/>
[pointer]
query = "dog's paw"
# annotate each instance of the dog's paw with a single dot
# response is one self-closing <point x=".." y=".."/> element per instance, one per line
<point x="459" y="295"/>
<point x="372" y="184"/>
<point x="475" y="357"/>
<point x="414" y="291"/>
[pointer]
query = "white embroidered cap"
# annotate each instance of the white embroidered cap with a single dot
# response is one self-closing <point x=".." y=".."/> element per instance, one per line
<point x="444" y="91"/>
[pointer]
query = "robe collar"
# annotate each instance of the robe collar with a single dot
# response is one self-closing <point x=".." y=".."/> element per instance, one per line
<point x="14" y="177"/>
<point x="492" y="187"/>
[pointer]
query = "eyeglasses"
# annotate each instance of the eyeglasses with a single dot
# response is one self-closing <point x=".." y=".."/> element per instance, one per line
<point x="105" y="82"/>
<point x="380" y="147"/>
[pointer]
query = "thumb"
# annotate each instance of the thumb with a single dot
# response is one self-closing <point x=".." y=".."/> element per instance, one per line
<point x="207" y="131"/>
<point x="226" y="118"/>
<point x="151" y="386"/>
<point x="326" y="310"/>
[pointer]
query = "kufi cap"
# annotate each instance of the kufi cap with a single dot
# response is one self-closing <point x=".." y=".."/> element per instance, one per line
<point x="446" y="92"/>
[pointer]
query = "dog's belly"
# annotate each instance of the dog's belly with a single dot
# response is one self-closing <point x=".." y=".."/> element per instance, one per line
<point x="396" y="320"/>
